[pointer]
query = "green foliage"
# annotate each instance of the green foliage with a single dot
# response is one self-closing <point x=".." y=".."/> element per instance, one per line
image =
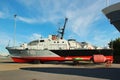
<point x="115" y="44"/>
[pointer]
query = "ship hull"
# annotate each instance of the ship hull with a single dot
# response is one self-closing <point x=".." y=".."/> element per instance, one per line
<point x="23" y="56"/>
<point x="46" y="59"/>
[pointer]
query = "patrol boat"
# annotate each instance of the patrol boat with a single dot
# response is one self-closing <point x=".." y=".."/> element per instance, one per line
<point x="56" y="48"/>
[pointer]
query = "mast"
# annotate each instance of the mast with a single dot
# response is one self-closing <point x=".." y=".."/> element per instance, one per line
<point x="63" y="29"/>
<point x="14" y="30"/>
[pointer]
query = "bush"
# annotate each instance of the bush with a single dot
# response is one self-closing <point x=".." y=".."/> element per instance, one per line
<point x="116" y="49"/>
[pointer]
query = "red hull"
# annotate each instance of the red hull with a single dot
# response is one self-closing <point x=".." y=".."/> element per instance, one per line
<point x="45" y="59"/>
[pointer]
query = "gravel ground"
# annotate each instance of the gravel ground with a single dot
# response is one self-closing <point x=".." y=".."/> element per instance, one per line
<point x="57" y="71"/>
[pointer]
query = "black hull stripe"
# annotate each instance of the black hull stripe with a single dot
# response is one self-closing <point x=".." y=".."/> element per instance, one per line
<point x="105" y="52"/>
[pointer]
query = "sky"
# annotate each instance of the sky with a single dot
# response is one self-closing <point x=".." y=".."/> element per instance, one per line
<point x="40" y="18"/>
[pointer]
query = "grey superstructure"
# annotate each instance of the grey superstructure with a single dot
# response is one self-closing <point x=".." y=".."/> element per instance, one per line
<point x="112" y="12"/>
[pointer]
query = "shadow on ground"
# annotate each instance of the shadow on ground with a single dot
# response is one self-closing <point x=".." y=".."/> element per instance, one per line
<point x="104" y="73"/>
<point x="8" y="62"/>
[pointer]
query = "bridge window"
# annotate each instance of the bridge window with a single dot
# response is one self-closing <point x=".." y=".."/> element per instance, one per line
<point x="42" y="41"/>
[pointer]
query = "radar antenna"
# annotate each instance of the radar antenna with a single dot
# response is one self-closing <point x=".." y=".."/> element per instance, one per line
<point x="63" y="29"/>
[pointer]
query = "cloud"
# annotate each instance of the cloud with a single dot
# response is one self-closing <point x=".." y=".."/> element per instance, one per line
<point x="102" y="37"/>
<point x="27" y="20"/>
<point x="35" y="36"/>
<point x="5" y="39"/>
<point x="1" y="14"/>
<point x="81" y="14"/>
<point x="113" y="1"/>
<point x="83" y="18"/>
<point x="42" y="11"/>
<point x="5" y="11"/>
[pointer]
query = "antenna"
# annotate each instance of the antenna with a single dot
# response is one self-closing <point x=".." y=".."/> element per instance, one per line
<point x="15" y="30"/>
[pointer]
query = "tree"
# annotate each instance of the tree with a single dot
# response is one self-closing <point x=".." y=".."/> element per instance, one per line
<point x="116" y="49"/>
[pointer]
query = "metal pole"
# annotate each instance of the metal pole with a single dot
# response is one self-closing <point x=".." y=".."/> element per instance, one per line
<point x="15" y="30"/>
